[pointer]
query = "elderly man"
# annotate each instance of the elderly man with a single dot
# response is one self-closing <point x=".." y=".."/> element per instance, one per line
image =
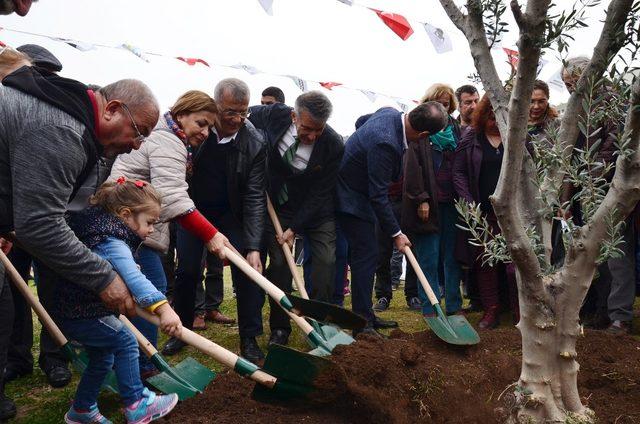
<point x="303" y="158"/>
<point x="372" y="161"/>
<point x="468" y="98"/>
<point x="53" y="132"/>
<point x="227" y="187"/>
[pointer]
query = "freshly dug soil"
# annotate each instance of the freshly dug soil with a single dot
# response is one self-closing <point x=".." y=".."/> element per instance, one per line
<point x="412" y="378"/>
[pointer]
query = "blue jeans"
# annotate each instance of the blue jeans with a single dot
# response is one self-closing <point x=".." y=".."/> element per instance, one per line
<point x="150" y="263"/>
<point x="342" y="254"/>
<point x="431" y="249"/>
<point x="109" y="345"/>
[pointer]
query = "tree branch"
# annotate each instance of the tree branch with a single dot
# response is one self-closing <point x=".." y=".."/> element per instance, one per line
<point x="506" y="194"/>
<point x="458" y="18"/>
<point x="517" y="14"/>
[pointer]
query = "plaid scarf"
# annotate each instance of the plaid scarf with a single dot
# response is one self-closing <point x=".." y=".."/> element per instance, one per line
<point x="182" y="136"/>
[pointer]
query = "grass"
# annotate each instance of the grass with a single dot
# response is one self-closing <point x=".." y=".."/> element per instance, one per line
<point x="39" y="403"/>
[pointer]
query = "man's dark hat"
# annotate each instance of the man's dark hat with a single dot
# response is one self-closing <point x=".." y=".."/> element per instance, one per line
<point x="41" y="57"/>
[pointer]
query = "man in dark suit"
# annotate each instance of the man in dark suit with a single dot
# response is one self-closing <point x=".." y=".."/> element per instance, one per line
<point x="303" y="155"/>
<point x="371" y="161"/>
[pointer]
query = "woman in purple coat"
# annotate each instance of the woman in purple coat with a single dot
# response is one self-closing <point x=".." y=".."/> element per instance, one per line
<point x="476" y="170"/>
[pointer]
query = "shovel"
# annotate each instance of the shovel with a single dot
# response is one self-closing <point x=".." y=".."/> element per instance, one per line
<point x="294" y="375"/>
<point x="186" y="379"/>
<point x="77" y="356"/>
<point x="322" y="346"/>
<point x="454" y="329"/>
<point x="347" y="318"/>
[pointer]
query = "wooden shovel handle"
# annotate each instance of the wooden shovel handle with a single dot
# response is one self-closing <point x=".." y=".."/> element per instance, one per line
<point x="287" y="250"/>
<point x="270" y="288"/>
<point x="206" y="346"/>
<point x="423" y="278"/>
<point x="42" y="314"/>
<point x="144" y="344"/>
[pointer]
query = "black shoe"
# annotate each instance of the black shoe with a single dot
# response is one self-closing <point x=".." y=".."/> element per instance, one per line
<point x="58" y="375"/>
<point x="250" y="350"/>
<point x="7" y="408"/>
<point x="368" y="330"/>
<point x="381" y="305"/>
<point x="173" y="346"/>
<point x="383" y="323"/>
<point x="414" y="304"/>
<point x="279" y="336"/>
<point x="11" y="373"/>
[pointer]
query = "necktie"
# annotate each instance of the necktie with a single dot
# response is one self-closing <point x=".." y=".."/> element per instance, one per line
<point x="288" y="157"/>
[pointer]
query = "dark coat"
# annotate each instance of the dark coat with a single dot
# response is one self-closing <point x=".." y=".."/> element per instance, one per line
<point x="419" y="187"/>
<point x="372" y="160"/>
<point x="312" y="191"/>
<point x="245" y="181"/>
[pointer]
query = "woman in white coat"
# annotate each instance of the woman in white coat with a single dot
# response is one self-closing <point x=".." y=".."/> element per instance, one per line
<point x="164" y="160"/>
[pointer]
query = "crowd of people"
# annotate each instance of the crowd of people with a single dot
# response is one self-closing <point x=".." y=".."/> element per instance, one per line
<point x="114" y="204"/>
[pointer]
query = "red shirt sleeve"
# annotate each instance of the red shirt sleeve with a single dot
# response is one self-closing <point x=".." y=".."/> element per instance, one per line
<point x="198" y="225"/>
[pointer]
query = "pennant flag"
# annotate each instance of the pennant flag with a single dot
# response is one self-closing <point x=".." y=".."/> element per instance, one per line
<point x="397" y="23"/>
<point x="267" y="5"/>
<point x="512" y="57"/>
<point x="135" y="50"/>
<point x="330" y="85"/>
<point x="247" y="68"/>
<point x="541" y="64"/>
<point x="80" y="45"/>
<point x="556" y="81"/>
<point x="191" y="61"/>
<point x="302" y="84"/>
<point x="403" y="106"/>
<point x="370" y="95"/>
<point x="347" y="2"/>
<point x="440" y="40"/>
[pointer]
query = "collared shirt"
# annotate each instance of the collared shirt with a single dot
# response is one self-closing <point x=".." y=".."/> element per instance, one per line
<point x="303" y="153"/>
<point x="405" y="144"/>
<point x="224" y="140"/>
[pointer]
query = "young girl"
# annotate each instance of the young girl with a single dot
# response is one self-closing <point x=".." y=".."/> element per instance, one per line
<point x="120" y="218"/>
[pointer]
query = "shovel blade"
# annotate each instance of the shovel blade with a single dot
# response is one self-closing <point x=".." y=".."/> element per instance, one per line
<point x="327" y="312"/>
<point x="79" y="359"/>
<point x="333" y="337"/>
<point x="194" y="373"/>
<point x="454" y="329"/>
<point x="299" y="375"/>
<point x="186" y="379"/>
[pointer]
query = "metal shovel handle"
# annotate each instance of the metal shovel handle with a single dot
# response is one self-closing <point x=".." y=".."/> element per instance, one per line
<point x="287" y="251"/>
<point x="423" y="278"/>
<point x="35" y="304"/>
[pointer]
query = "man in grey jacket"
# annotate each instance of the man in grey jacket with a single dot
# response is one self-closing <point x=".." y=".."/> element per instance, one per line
<point x="53" y="131"/>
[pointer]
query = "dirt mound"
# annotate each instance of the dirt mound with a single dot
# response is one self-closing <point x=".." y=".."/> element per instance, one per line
<point x="412" y="378"/>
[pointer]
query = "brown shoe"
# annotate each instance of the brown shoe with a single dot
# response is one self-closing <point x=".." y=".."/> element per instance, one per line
<point x="198" y="323"/>
<point x="218" y="317"/>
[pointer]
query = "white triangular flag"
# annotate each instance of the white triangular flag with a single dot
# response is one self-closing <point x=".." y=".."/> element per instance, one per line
<point x="248" y="68"/>
<point x="267" y="5"/>
<point x="541" y="64"/>
<point x="80" y="45"/>
<point x="370" y="95"/>
<point x="300" y="83"/>
<point x="556" y="81"/>
<point x="135" y="50"/>
<point x="347" y="2"/>
<point x="440" y="40"/>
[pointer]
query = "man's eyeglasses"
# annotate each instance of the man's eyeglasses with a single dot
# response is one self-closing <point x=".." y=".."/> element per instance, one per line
<point x="229" y="113"/>
<point x="139" y="137"/>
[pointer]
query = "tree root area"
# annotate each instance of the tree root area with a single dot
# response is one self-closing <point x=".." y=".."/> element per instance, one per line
<point x="412" y="378"/>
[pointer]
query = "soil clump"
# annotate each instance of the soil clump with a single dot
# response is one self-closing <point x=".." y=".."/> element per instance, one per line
<point x="411" y="378"/>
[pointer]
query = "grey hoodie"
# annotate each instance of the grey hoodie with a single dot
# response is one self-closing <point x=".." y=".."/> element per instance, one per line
<point x="42" y="155"/>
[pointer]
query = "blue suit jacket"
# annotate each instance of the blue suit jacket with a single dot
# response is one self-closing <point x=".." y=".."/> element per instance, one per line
<point x="372" y="161"/>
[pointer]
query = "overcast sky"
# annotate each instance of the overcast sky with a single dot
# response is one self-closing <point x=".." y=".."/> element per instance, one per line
<point x="318" y="40"/>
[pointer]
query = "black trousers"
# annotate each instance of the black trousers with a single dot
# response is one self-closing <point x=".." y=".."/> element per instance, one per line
<point x="19" y="354"/>
<point x="210" y="297"/>
<point x="250" y="297"/>
<point x="6" y="322"/>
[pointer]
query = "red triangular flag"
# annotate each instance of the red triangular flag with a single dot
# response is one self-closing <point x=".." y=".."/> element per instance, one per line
<point x="512" y="57"/>
<point x="191" y="61"/>
<point x="397" y="23"/>
<point x="329" y="85"/>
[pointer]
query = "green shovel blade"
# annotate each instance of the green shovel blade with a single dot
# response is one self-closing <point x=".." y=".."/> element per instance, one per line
<point x="79" y="359"/>
<point x="299" y="375"/>
<point x="332" y="336"/>
<point x="454" y="329"/>
<point x="328" y="312"/>
<point x="186" y="379"/>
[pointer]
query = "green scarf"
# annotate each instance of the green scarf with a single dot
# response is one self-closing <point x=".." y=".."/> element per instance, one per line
<point x="444" y="140"/>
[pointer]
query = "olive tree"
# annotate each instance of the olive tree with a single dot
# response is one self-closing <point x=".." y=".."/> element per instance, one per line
<point x="527" y="197"/>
